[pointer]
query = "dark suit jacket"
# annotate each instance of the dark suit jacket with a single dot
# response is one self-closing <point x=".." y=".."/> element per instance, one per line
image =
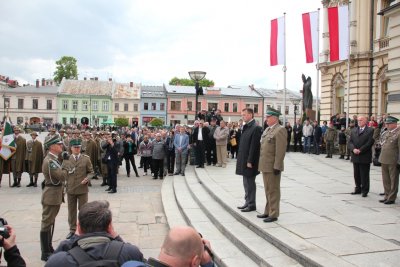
<point x="363" y="141"/>
<point x="249" y="150"/>
<point x="297" y="131"/>
<point x="113" y="154"/>
<point x="204" y="132"/>
<point x="317" y="133"/>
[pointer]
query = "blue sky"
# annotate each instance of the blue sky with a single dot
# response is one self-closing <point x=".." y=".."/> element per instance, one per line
<point x="151" y="41"/>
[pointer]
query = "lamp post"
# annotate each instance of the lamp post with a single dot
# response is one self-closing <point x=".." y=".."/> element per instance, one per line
<point x="197" y="76"/>
<point x="295" y="102"/>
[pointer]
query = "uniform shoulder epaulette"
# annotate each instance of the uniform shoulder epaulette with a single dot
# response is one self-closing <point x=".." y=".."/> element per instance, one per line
<point x="85" y="155"/>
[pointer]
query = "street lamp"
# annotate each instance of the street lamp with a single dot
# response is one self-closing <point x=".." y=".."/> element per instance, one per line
<point x="295" y="102"/>
<point x="197" y="76"/>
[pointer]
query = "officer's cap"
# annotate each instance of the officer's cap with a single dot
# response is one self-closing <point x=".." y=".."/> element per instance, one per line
<point x="391" y="119"/>
<point x="272" y="112"/>
<point x="55" y="139"/>
<point x="34" y="133"/>
<point x="75" y="142"/>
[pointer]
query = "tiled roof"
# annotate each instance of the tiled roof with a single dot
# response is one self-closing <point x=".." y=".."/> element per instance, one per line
<point x="123" y="90"/>
<point x="31" y="89"/>
<point x="273" y="93"/>
<point x="228" y="91"/>
<point x="153" y="91"/>
<point x="86" y="87"/>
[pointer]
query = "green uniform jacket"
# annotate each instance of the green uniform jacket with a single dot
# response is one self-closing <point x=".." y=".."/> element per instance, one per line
<point x="54" y="176"/>
<point x="92" y="151"/>
<point x="34" y="153"/>
<point x="77" y="171"/>
<point x="20" y="154"/>
<point x="390" y="144"/>
<point x="330" y="134"/>
<point x="273" y="149"/>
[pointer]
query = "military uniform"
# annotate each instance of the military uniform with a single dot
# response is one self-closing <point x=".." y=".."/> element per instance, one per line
<point x="390" y="152"/>
<point x="272" y="155"/>
<point x="330" y="138"/>
<point x="52" y="196"/>
<point x="34" y="155"/>
<point x="79" y="167"/>
<point x="18" y="159"/>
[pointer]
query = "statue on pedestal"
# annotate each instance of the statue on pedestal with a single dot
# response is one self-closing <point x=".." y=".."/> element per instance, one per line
<point x="308" y="98"/>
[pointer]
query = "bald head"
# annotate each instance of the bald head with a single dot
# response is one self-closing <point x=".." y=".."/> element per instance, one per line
<point x="182" y="247"/>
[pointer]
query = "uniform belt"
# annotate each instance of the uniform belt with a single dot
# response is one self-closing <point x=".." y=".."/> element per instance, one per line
<point x="52" y="185"/>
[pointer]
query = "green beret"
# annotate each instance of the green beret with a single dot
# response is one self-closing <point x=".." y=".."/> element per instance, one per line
<point x="53" y="140"/>
<point x="75" y="142"/>
<point x="391" y="119"/>
<point x="272" y="112"/>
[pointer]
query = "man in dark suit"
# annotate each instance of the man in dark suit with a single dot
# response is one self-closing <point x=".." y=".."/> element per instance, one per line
<point x="200" y="138"/>
<point x="317" y="135"/>
<point x="297" y="133"/>
<point x="112" y="164"/>
<point x="360" y="145"/>
<point x="247" y="158"/>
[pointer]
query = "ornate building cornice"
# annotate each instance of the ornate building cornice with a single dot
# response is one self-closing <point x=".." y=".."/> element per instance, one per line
<point x="332" y="3"/>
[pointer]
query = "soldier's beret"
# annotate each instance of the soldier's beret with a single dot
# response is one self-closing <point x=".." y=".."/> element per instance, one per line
<point x="75" y="142"/>
<point x="272" y="112"/>
<point x="34" y="133"/>
<point x="53" y="140"/>
<point x="52" y="129"/>
<point x="61" y="131"/>
<point x="391" y="119"/>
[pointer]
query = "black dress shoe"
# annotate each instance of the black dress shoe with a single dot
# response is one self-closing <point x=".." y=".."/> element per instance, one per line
<point x="383" y="200"/>
<point x="242" y="207"/>
<point x="248" y="209"/>
<point x="176" y="173"/>
<point x="389" y="202"/>
<point x="70" y="234"/>
<point x="183" y="174"/>
<point x="103" y="184"/>
<point x="262" y="216"/>
<point x="201" y="166"/>
<point x="355" y="193"/>
<point x="269" y="219"/>
<point x="381" y="194"/>
<point x="155" y="178"/>
<point x="112" y="192"/>
<point x="108" y="189"/>
<point x="364" y="194"/>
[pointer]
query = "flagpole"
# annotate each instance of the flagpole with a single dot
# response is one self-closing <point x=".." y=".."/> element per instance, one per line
<point x="284" y="69"/>
<point x="316" y="104"/>
<point x="348" y="67"/>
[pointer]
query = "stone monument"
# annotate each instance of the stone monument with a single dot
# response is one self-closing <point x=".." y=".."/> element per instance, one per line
<point x="308" y="98"/>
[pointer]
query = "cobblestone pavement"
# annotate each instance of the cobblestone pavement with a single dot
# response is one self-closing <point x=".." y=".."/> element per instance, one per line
<point x="138" y="214"/>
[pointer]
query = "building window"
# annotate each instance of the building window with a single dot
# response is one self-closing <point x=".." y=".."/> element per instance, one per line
<point x="6" y="102"/>
<point x="64" y="120"/>
<point x="190" y="106"/>
<point x="256" y="108"/>
<point x="135" y="107"/>
<point x="235" y="107"/>
<point x="20" y="103"/>
<point x="74" y="104"/>
<point x="248" y="106"/>
<point x="94" y="105"/>
<point x="153" y="106"/>
<point x="72" y="120"/>
<point x="146" y="106"/>
<point x="198" y="106"/>
<point x="126" y="107"/>
<point x="49" y="104"/>
<point x="212" y="106"/>
<point x="35" y="103"/>
<point x="162" y="106"/>
<point x="65" y="104"/>
<point x="287" y="110"/>
<point x="105" y="105"/>
<point x="176" y="105"/>
<point x="226" y="107"/>
<point x="116" y="106"/>
<point x="85" y="105"/>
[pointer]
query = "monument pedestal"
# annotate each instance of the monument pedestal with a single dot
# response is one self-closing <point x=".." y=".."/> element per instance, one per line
<point x="311" y="114"/>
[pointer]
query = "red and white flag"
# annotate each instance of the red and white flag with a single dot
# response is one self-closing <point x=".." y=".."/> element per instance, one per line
<point x="310" y="29"/>
<point x="338" y="21"/>
<point x="277" y="45"/>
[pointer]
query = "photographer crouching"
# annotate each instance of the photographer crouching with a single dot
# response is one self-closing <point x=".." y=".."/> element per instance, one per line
<point x="7" y="241"/>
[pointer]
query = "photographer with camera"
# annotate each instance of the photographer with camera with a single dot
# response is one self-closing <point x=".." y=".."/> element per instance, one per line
<point x="112" y="161"/>
<point x="7" y="241"/>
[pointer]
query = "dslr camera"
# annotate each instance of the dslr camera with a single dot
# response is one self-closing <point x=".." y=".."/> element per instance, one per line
<point x="3" y="230"/>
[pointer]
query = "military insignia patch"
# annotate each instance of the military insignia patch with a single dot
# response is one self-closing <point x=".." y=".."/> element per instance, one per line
<point x="53" y="166"/>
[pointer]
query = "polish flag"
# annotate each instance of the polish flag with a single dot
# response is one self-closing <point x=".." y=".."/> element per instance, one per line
<point x="310" y="29"/>
<point x="277" y="45"/>
<point x="338" y="21"/>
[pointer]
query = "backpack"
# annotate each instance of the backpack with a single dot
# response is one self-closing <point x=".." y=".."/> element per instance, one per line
<point x="109" y="259"/>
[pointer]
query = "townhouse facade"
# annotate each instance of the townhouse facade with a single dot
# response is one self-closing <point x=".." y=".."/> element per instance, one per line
<point x="126" y="102"/>
<point x="153" y="104"/>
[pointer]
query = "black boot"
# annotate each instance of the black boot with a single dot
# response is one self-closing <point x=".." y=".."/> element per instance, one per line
<point x="19" y="182"/>
<point x="35" y="183"/>
<point x="30" y="181"/>
<point x="45" y="239"/>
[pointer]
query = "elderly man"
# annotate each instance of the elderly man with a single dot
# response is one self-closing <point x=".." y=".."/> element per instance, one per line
<point x="221" y="135"/>
<point x="389" y="158"/>
<point x="181" y="143"/>
<point x="272" y="155"/>
<point x="360" y="145"/>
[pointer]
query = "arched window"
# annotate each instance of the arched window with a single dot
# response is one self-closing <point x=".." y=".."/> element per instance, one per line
<point x="338" y="93"/>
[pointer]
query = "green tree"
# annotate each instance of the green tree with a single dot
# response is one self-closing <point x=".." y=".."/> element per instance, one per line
<point x="66" y="68"/>
<point x="156" y="122"/>
<point x="121" y="122"/>
<point x="190" y="82"/>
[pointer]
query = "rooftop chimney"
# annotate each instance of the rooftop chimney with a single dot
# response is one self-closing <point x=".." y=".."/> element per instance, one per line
<point x="96" y="78"/>
<point x="131" y="84"/>
<point x="43" y="82"/>
<point x="84" y="78"/>
<point x="110" y="79"/>
<point x="37" y="83"/>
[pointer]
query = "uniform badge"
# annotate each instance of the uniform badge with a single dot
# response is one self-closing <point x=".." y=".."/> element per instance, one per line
<point x="53" y="166"/>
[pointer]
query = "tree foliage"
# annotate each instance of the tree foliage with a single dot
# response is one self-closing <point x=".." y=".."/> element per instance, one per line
<point x="156" y="122"/>
<point x="190" y="82"/>
<point x="66" y="68"/>
<point x="121" y="122"/>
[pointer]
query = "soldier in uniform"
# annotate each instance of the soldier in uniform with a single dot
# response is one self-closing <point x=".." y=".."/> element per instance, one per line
<point x="390" y="152"/>
<point x="91" y="149"/>
<point x="78" y="177"/>
<point x="52" y="195"/>
<point x="330" y="137"/>
<point x="18" y="159"/>
<point x="347" y="133"/>
<point x="103" y="165"/>
<point x="34" y="154"/>
<point x="272" y="155"/>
